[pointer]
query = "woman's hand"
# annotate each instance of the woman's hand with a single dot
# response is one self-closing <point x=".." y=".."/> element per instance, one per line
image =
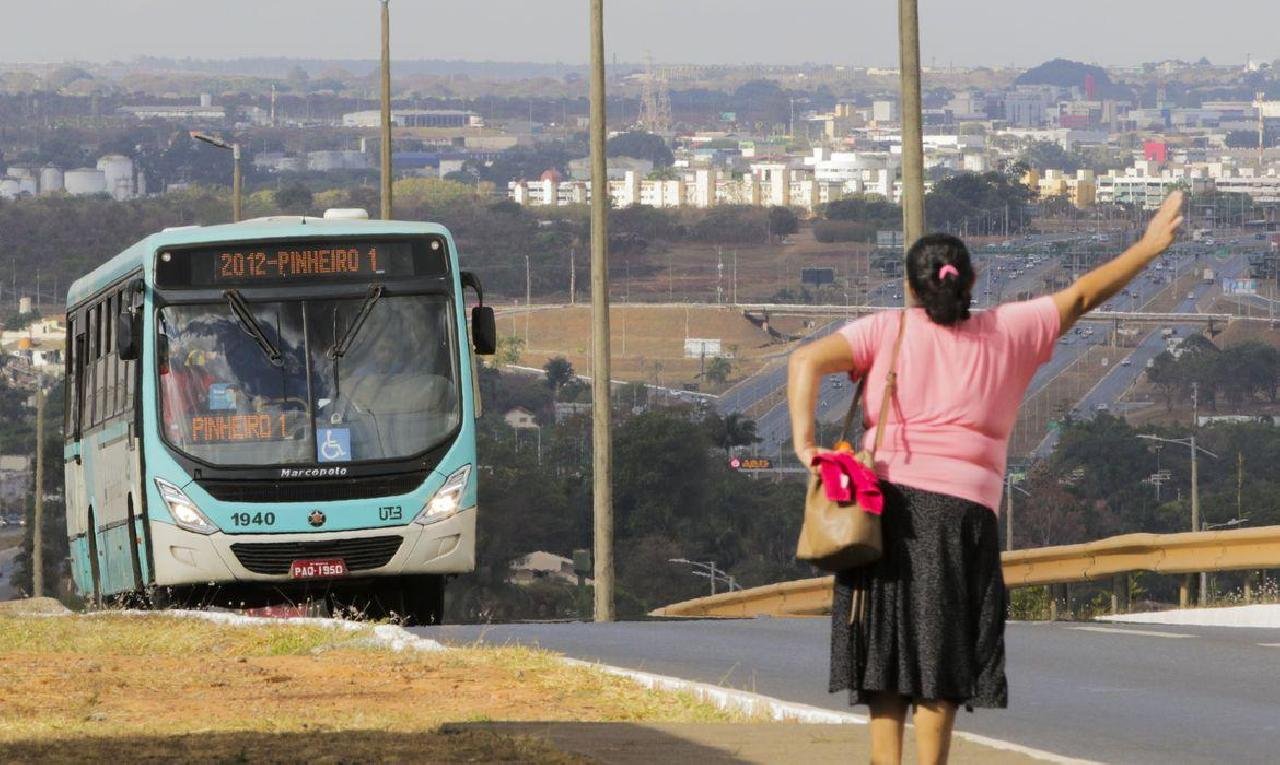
<point x="806" y="455"/>
<point x="1163" y="228"/>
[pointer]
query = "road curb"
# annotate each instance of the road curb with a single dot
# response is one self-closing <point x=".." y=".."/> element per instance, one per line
<point x="389" y="636"/>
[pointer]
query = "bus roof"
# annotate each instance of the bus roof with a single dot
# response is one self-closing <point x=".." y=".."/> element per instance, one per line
<point x="278" y="227"/>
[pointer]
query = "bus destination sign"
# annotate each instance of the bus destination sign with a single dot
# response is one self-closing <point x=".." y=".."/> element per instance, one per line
<point x="282" y="262"/>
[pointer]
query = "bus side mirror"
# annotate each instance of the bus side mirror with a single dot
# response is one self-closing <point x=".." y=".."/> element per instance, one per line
<point x="484" y="331"/>
<point x="126" y="336"/>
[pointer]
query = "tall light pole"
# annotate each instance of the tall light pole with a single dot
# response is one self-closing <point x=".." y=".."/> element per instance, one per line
<point x="237" y="189"/>
<point x="912" y="129"/>
<point x="386" y="110"/>
<point x="602" y="457"/>
<point x="37" y="532"/>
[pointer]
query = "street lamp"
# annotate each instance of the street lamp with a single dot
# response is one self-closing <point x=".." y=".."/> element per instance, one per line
<point x="709" y="570"/>
<point x="1231" y="524"/>
<point x="1195" y="485"/>
<point x="234" y="148"/>
<point x="1009" y="488"/>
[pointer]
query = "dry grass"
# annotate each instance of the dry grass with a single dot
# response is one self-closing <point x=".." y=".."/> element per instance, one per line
<point x="154" y="687"/>
<point x="647" y="344"/>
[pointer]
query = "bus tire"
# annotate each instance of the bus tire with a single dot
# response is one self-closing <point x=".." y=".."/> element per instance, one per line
<point x="423" y="599"/>
<point x="95" y="580"/>
<point x="135" y="558"/>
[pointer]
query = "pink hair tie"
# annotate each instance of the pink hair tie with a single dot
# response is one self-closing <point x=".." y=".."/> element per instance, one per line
<point x="948" y="270"/>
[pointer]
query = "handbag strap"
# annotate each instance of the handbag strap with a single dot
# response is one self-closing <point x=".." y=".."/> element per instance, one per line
<point x="890" y="388"/>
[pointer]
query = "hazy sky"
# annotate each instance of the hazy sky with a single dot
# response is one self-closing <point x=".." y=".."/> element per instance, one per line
<point x="859" y="32"/>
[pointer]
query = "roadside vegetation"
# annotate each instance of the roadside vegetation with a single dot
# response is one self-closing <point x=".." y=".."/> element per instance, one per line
<point x="146" y="688"/>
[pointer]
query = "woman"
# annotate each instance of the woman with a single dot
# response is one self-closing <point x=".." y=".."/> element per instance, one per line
<point x="933" y="631"/>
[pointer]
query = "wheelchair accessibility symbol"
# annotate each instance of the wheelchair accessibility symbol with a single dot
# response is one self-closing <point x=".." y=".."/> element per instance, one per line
<point x="334" y="445"/>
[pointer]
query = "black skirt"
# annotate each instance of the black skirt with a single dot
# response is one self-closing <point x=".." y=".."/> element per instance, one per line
<point x="935" y="606"/>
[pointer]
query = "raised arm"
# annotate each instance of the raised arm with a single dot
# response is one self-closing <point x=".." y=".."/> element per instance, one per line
<point x="1096" y="287"/>
<point x="808" y="364"/>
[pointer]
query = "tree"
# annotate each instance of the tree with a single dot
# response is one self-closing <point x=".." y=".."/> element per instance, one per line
<point x="718" y="370"/>
<point x="294" y="197"/>
<point x="509" y="347"/>
<point x="559" y="372"/>
<point x="640" y="145"/>
<point x="783" y="221"/>
<point x="1047" y="155"/>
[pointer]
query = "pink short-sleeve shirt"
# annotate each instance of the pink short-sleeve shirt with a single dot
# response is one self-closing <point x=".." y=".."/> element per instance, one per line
<point x="959" y="388"/>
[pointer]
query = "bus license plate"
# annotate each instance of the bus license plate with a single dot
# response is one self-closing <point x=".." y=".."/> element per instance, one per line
<point x="312" y="569"/>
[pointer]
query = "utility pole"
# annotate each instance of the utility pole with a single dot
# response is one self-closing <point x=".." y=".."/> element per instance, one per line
<point x="1008" y="510"/>
<point x="37" y="533"/>
<point x="912" y="131"/>
<point x="237" y="185"/>
<point x="573" y="277"/>
<point x="1262" y="129"/>
<point x="528" y="292"/>
<point x="602" y="457"/>
<point x="1195" y="476"/>
<point x="386" y="109"/>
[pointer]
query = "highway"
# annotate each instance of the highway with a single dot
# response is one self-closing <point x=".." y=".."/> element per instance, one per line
<point x="1104" y="692"/>
<point x="1110" y="388"/>
<point x="1002" y="273"/>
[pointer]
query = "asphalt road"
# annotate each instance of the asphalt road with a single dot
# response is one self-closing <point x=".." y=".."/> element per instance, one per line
<point x="1111" y="693"/>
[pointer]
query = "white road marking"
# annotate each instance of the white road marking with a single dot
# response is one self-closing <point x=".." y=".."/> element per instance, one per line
<point x="1147" y="633"/>
<point x="1269" y="645"/>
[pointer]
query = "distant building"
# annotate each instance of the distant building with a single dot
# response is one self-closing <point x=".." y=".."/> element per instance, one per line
<point x="177" y="113"/>
<point x="541" y="565"/>
<point x="434" y="118"/>
<point x="520" y="418"/>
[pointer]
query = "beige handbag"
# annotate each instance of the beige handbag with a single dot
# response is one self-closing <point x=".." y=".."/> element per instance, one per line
<point x="840" y="536"/>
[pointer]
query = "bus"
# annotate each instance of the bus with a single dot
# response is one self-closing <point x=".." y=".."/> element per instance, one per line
<point x="278" y="411"/>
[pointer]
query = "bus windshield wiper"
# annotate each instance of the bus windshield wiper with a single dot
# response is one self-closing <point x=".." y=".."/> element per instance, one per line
<point x="341" y="346"/>
<point x="251" y="327"/>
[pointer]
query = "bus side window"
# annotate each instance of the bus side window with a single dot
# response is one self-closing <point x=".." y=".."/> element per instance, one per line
<point x="108" y="358"/>
<point x="95" y="365"/>
<point x="124" y="368"/>
<point x="69" y="375"/>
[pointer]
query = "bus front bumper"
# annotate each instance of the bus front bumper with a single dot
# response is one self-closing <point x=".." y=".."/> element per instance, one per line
<point x="183" y="557"/>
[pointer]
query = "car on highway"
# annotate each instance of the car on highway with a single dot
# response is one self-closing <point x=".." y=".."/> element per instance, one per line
<point x="1126" y="363"/>
<point x="1102" y="408"/>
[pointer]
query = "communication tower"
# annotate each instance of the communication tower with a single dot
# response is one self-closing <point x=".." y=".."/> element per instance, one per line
<point x="655" y="105"/>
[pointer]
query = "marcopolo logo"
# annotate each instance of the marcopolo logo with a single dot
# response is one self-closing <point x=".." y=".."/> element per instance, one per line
<point x="318" y="472"/>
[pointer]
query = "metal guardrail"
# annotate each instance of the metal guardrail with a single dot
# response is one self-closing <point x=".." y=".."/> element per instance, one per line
<point x="1093" y="561"/>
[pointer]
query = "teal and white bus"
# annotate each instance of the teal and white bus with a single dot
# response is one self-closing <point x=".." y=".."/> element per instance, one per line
<point x="276" y="411"/>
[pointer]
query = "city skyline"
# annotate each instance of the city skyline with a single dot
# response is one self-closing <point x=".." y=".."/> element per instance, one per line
<point x="702" y="32"/>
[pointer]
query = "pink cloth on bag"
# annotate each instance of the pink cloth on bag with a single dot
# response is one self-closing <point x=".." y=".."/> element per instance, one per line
<point x="844" y="478"/>
<point x="958" y="393"/>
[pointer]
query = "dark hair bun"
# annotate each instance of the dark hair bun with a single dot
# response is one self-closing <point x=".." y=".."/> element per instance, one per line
<point x="941" y="276"/>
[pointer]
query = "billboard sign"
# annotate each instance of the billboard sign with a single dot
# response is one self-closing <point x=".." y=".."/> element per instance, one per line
<point x="1240" y="286"/>
<point x="702" y="347"/>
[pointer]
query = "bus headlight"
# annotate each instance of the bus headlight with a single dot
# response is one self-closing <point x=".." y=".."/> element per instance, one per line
<point x="183" y="510"/>
<point x="447" y="499"/>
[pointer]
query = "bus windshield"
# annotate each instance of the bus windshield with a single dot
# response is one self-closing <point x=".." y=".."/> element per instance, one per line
<point x="308" y="381"/>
